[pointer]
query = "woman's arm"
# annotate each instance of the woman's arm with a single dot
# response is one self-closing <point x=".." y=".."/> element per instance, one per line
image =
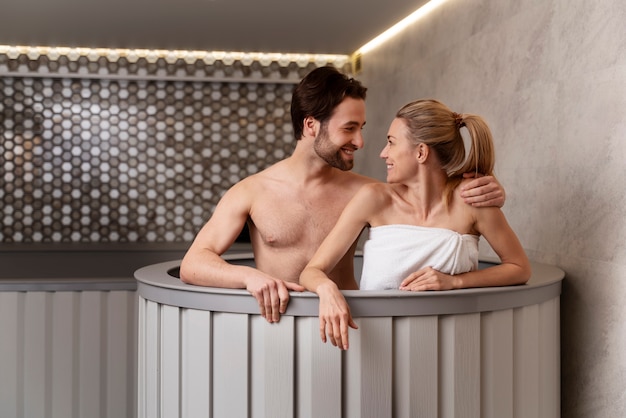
<point x="513" y="269"/>
<point x="334" y="311"/>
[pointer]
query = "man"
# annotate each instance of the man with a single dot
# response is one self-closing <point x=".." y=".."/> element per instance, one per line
<point x="291" y="206"/>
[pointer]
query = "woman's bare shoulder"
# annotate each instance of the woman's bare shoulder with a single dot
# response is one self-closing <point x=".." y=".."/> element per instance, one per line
<point x="376" y="193"/>
<point x="458" y="203"/>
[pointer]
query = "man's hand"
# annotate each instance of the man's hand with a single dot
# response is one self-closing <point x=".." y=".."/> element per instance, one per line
<point x="272" y="295"/>
<point x="483" y="191"/>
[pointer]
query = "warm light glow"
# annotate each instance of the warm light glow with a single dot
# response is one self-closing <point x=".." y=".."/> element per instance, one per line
<point x="151" y="55"/>
<point x="400" y="26"/>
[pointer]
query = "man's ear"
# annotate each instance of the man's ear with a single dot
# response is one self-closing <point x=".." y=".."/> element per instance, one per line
<point x="311" y="126"/>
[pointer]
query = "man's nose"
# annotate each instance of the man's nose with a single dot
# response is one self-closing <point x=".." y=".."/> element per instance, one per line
<point x="358" y="141"/>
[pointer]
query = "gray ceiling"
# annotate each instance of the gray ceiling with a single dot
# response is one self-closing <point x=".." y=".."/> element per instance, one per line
<point x="297" y="26"/>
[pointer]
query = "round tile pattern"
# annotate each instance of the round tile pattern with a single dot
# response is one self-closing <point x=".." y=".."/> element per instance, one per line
<point x="115" y="160"/>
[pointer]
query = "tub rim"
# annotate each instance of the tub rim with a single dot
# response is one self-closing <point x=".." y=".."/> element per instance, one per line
<point x="155" y="284"/>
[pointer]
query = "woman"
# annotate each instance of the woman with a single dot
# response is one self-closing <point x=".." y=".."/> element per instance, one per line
<point x="422" y="235"/>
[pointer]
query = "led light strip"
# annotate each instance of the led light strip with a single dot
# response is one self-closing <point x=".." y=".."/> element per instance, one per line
<point x="190" y="57"/>
<point x="399" y="27"/>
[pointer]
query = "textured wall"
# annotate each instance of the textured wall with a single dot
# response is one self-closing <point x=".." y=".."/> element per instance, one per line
<point x="116" y="149"/>
<point x="550" y="78"/>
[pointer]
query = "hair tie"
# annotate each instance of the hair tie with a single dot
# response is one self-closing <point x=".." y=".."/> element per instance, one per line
<point x="458" y="120"/>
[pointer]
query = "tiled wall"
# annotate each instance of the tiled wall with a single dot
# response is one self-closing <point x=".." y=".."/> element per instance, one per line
<point x="110" y="149"/>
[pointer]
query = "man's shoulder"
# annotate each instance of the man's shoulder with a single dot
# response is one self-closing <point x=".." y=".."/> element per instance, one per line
<point x="355" y="179"/>
<point x="268" y="173"/>
<point x="263" y="181"/>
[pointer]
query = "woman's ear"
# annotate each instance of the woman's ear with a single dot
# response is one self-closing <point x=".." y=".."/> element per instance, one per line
<point x="421" y="152"/>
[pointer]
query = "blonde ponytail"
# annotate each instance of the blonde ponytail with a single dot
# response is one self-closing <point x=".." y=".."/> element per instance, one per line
<point x="434" y="124"/>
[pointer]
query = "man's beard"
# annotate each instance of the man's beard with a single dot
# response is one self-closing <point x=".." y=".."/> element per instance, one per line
<point x="329" y="152"/>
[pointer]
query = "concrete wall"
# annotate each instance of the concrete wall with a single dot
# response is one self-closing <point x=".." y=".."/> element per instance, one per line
<point x="550" y="78"/>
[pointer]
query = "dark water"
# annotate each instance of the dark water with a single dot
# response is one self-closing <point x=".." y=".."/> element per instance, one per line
<point x="358" y="266"/>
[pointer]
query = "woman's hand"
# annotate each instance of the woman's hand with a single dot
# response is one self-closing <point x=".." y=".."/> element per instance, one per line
<point x="335" y="317"/>
<point x="429" y="279"/>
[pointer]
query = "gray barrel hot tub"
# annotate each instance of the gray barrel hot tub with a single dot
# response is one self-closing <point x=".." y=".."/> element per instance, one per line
<point x="489" y="352"/>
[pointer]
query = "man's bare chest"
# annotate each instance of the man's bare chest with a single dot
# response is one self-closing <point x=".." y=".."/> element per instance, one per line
<point x="282" y="221"/>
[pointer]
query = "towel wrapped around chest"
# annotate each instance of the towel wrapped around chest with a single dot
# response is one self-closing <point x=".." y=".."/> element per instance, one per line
<point x="392" y="252"/>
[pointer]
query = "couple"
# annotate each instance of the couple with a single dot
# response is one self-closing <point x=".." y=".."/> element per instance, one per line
<point x="293" y="205"/>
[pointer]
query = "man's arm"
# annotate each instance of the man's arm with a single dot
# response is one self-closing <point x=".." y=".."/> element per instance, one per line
<point x="483" y="191"/>
<point x="204" y="266"/>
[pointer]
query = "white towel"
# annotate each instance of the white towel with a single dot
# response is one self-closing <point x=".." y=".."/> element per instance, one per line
<point x="392" y="252"/>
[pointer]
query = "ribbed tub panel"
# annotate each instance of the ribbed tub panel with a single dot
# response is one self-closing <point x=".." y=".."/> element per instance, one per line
<point x="502" y="363"/>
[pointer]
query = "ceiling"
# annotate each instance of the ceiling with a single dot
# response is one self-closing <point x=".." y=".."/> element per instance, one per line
<point x="288" y="26"/>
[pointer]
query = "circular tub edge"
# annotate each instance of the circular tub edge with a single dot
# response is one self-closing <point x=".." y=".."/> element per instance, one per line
<point x="155" y="284"/>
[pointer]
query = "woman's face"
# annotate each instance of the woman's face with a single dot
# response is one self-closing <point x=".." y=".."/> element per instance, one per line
<point x="399" y="153"/>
